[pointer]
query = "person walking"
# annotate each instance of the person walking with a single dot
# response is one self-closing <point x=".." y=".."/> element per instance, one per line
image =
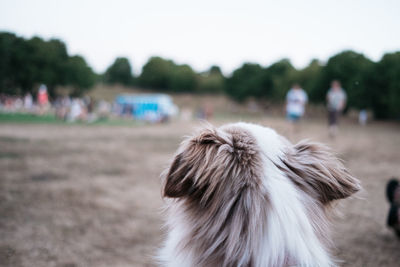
<point x="296" y="100"/>
<point x="336" y="101"/>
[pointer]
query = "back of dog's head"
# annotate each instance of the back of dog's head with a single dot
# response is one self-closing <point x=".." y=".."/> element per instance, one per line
<point x="230" y="158"/>
<point x="243" y="187"/>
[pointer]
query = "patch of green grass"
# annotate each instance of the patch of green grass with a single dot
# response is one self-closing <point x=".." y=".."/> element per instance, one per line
<point x="27" y="118"/>
<point x="9" y="155"/>
<point x="9" y="139"/>
<point x="51" y="119"/>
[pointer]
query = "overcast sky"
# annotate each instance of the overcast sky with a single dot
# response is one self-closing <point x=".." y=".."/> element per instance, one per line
<point x="207" y="32"/>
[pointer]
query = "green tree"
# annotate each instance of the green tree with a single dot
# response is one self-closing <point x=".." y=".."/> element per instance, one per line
<point x="309" y="77"/>
<point x="182" y="79"/>
<point x="79" y="75"/>
<point x="212" y="81"/>
<point x="36" y="61"/>
<point x="8" y="79"/>
<point x="119" y="72"/>
<point x="215" y="70"/>
<point x="156" y="73"/>
<point x="47" y="63"/>
<point x="249" y="80"/>
<point x="165" y="75"/>
<point x="283" y="75"/>
<point x="24" y="64"/>
<point x="384" y="87"/>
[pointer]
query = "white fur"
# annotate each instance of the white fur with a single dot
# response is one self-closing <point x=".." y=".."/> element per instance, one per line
<point x="289" y="238"/>
<point x="289" y="229"/>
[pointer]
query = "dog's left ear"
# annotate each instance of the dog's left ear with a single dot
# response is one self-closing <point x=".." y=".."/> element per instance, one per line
<point x="314" y="168"/>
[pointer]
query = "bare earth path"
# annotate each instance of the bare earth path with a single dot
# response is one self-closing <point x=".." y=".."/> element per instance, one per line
<point x="90" y="195"/>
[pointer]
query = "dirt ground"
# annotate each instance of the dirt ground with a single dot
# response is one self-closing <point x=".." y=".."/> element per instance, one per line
<point x="75" y="195"/>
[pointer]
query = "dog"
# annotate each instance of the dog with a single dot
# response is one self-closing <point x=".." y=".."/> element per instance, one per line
<point x="242" y="195"/>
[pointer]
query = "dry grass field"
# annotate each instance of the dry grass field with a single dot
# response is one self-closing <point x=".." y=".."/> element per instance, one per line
<point x="77" y="195"/>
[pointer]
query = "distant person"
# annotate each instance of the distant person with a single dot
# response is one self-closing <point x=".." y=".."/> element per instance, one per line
<point x="296" y="100"/>
<point x="28" y="102"/>
<point x="42" y="99"/>
<point x="186" y="114"/>
<point x="336" y="100"/>
<point x="208" y="111"/>
<point x="62" y="106"/>
<point x="104" y="109"/>
<point x="18" y="104"/>
<point x="363" y="117"/>
<point x="77" y="111"/>
<point x="205" y="112"/>
<point x="393" y="196"/>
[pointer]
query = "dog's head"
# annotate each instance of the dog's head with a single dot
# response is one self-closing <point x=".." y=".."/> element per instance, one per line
<point x="240" y="182"/>
<point x="231" y="158"/>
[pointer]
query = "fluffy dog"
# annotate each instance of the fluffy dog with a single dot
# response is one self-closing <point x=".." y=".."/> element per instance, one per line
<point x="242" y="195"/>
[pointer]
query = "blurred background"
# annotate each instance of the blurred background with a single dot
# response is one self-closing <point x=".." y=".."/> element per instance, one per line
<point x="95" y="97"/>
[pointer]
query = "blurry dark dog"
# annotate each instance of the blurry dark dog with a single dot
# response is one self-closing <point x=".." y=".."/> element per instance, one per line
<point x="242" y="195"/>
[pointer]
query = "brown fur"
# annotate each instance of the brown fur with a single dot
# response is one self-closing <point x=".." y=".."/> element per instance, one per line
<point x="217" y="174"/>
<point x="315" y="169"/>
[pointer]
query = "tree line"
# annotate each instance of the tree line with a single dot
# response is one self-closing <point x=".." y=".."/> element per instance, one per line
<point x="25" y="63"/>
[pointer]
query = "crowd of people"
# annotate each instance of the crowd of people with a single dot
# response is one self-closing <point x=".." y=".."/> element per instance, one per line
<point x="81" y="109"/>
<point x="64" y="107"/>
<point x="26" y="103"/>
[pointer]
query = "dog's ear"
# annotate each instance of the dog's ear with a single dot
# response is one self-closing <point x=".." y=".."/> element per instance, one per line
<point x="189" y="167"/>
<point x="317" y="170"/>
<point x="176" y="182"/>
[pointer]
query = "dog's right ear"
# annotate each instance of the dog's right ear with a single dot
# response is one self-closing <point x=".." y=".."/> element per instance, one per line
<point x="316" y="169"/>
<point x="177" y="183"/>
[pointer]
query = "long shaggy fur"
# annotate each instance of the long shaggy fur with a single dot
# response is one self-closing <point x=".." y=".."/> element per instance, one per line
<point x="241" y="195"/>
